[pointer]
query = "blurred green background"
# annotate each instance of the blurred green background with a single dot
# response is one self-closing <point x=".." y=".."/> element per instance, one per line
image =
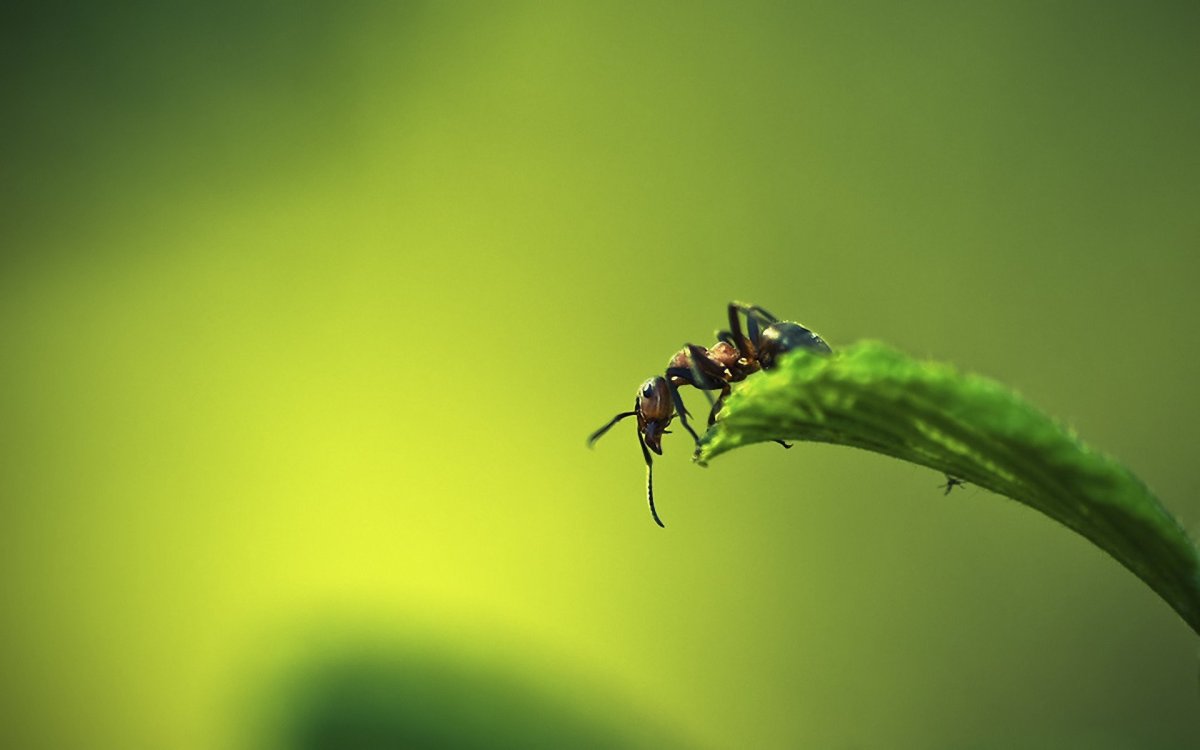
<point x="306" y="310"/>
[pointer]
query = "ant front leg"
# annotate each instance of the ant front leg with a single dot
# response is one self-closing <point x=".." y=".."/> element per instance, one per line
<point x="712" y="375"/>
<point x="707" y="375"/>
<point x="704" y="370"/>
<point x="679" y="407"/>
<point x="702" y="374"/>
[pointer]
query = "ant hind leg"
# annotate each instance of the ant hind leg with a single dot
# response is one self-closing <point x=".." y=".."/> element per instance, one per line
<point x="757" y="319"/>
<point x="764" y="316"/>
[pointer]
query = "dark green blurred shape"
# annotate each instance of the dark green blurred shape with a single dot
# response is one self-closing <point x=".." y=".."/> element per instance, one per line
<point x="370" y="697"/>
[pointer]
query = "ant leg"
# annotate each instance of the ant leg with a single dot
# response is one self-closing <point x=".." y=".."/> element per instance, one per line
<point x="757" y="318"/>
<point x="600" y="432"/>
<point x="688" y="376"/>
<point x="702" y="374"/>
<point x="697" y="377"/>
<point x="735" y="327"/>
<point x="764" y="316"/>
<point x="679" y="407"/>
<point x="752" y="327"/>
<point x="716" y="407"/>
<point x="712" y="416"/>
<point x="650" y="480"/>
<point x="705" y="370"/>
<point x="728" y="338"/>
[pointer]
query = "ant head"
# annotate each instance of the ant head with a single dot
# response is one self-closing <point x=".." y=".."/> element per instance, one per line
<point x="655" y="409"/>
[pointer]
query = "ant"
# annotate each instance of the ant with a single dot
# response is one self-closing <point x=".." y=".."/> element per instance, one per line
<point x="732" y="359"/>
<point x="951" y="483"/>
<point x="736" y="356"/>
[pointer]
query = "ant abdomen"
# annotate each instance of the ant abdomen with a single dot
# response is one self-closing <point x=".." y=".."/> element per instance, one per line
<point x="780" y="338"/>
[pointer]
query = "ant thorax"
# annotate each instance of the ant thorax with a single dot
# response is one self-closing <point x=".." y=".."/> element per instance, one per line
<point x="725" y="354"/>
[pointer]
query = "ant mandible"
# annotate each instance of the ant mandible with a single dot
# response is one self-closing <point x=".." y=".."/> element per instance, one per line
<point x="734" y="357"/>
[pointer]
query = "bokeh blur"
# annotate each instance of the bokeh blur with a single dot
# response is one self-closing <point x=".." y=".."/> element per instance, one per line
<point x="307" y="308"/>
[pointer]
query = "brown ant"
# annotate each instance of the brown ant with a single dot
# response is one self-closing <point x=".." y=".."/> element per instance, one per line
<point x="732" y="359"/>
<point x="736" y="356"/>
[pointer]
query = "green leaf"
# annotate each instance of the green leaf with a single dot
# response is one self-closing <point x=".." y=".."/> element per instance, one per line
<point x="870" y="396"/>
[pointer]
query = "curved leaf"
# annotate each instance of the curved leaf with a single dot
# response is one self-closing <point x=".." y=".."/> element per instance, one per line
<point x="873" y="397"/>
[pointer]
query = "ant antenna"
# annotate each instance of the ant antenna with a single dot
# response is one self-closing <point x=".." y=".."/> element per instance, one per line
<point x="600" y="432"/>
<point x="650" y="494"/>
